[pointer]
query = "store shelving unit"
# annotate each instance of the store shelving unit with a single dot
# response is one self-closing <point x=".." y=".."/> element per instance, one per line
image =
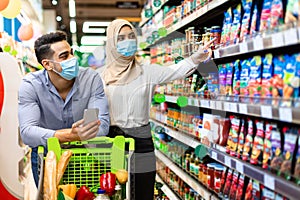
<point x="285" y="114"/>
<point x="184" y="176"/>
<point x="165" y="188"/>
<point x="216" y="152"/>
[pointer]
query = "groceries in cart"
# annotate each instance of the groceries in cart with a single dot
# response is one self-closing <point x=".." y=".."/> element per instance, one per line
<point x="86" y="170"/>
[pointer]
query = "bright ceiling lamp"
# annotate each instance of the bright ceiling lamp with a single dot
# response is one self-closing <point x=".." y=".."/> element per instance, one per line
<point x="94" y="27"/>
<point x="92" y="40"/>
<point x="72" y="8"/>
<point x="73" y="28"/>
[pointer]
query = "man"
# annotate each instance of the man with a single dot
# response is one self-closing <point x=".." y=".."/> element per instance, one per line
<point x="52" y="101"/>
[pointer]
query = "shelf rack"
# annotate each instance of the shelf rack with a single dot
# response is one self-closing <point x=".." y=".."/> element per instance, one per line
<point x="216" y="152"/>
<point x="165" y="188"/>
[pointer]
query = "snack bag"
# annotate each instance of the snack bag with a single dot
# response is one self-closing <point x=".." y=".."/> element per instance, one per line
<point x="292" y="11"/>
<point x="225" y="36"/>
<point x="236" y="83"/>
<point x="258" y="144"/>
<point x="234" y="185"/>
<point x="229" y="75"/>
<point x="245" y="20"/>
<point x="222" y="78"/>
<point x="267" y="146"/>
<point x="290" y="139"/>
<point x="245" y="75"/>
<point x="255" y="78"/>
<point x="266" y="85"/>
<point x="277" y="79"/>
<point x="240" y="193"/>
<point x="232" y="142"/>
<point x="253" y="28"/>
<point x="297" y="165"/>
<point x="236" y="25"/>
<point x="265" y="18"/>
<point x="276" y="14"/>
<point x="241" y="140"/>
<point x="248" y="194"/>
<point x="228" y="183"/>
<point x="248" y="141"/>
<point x="256" y="193"/>
<point x="276" y="149"/>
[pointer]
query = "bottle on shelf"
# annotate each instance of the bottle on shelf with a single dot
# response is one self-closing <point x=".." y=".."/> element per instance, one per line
<point x="101" y="195"/>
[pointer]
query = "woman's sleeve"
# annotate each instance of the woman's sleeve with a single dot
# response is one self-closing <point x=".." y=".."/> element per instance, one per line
<point x="163" y="74"/>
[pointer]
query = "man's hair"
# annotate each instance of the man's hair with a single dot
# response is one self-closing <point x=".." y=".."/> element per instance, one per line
<point x="42" y="46"/>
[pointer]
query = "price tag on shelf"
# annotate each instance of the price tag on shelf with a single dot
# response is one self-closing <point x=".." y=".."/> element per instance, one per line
<point x="204" y="103"/>
<point x="243" y="108"/>
<point x="277" y="40"/>
<point x="219" y="105"/>
<point x="243" y="47"/>
<point x="227" y="161"/>
<point x="216" y="53"/>
<point x="239" y="166"/>
<point x="213" y="104"/>
<point x="285" y="114"/>
<point x="291" y="36"/>
<point x="192" y="102"/>
<point x="214" y="155"/>
<point x="226" y="106"/>
<point x="266" y="112"/>
<point x="269" y="181"/>
<point x="233" y="107"/>
<point x="258" y="43"/>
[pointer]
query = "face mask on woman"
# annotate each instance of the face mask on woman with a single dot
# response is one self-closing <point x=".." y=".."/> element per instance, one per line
<point x="70" y="68"/>
<point x="127" y="47"/>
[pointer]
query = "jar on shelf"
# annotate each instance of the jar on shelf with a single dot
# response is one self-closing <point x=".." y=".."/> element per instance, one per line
<point x="218" y="176"/>
<point x="204" y="174"/>
<point x="210" y="175"/>
<point x="187" y="162"/>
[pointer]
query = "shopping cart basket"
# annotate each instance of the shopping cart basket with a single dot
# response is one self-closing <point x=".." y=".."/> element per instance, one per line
<point x="90" y="159"/>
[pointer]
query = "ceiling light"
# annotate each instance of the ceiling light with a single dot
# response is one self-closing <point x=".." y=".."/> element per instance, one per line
<point x="90" y="28"/>
<point x="101" y="24"/>
<point x="58" y="18"/>
<point x="73" y="28"/>
<point x="54" y="2"/>
<point x="72" y="8"/>
<point x="92" y="40"/>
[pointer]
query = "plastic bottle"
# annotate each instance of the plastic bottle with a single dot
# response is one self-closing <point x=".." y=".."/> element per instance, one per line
<point x="101" y="195"/>
<point x="118" y="193"/>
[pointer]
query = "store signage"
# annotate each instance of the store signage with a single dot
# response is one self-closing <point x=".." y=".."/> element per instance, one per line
<point x="130" y="4"/>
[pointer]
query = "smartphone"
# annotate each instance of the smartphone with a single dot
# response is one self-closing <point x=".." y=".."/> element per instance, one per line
<point x="90" y="115"/>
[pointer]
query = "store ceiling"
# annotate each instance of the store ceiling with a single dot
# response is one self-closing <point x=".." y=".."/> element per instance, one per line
<point x="95" y="11"/>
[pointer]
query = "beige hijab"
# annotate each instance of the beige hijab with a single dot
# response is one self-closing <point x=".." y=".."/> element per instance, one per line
<point x="119" y="69"/>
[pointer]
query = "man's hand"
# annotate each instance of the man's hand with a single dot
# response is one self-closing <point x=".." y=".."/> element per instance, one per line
<point x="87" y="131"/>
<point x="203" y="54"/>
<point x="78" y="132"/>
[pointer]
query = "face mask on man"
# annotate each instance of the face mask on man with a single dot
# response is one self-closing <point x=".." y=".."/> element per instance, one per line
<point x="69" y="67"/>
<point x="127" y="47"/>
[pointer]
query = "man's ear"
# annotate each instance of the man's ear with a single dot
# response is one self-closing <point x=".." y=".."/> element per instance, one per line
<point x="47" y="64"/>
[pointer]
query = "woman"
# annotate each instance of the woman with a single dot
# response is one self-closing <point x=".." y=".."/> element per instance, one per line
<point x="129" y="86"/>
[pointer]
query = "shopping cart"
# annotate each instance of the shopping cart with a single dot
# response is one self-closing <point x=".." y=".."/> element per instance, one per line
<point x="90" y="159"/>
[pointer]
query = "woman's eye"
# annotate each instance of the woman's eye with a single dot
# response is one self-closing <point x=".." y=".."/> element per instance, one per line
<point x="132" y="36"/>
<point x="120" y="38"/>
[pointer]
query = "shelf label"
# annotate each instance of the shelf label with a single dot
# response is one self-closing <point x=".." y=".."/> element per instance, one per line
<point x="227" y="161"/>
<point x="243" y="108"/>
<point x="226" y="106"/>
<point x="290" y="36"/>
<point x="239" y="166"/>
<point x="216" y="53"/>
<point x="258" y="43"/>
<point x="269" y="181"/>
<point x="214" y="155"/>
<point x="218" y="105"/>
<point x="243" y="47"/>
<point x="212" y="104"/>
<point x="277" y="40"/>
<point x="192" y="102"/>
<point x="266" y="112"/>
<point x="285" y="114"/>
<point x="233" y="107"/>
<point x="204" y="103"/>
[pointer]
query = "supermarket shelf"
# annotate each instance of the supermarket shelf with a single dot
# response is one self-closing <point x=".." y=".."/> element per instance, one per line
<point x="184" y="176"/>
<point x="276" y="183"/>
<point x="284" y="39"/>
<point x="165" y="188"/>
<point x="285" y="114"/>
<point x="184" y="138"/>
<point x="195" y="16"/>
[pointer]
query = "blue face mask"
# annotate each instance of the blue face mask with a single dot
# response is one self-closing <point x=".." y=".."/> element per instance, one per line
<point x="70" y="68"/>
<point x="127" y="47"/>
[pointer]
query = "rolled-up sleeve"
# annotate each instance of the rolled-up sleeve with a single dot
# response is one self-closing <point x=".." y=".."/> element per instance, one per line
<point x="99" y="100"/>
<point x="29" y="117"/>
<point x="163" y="74"/>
